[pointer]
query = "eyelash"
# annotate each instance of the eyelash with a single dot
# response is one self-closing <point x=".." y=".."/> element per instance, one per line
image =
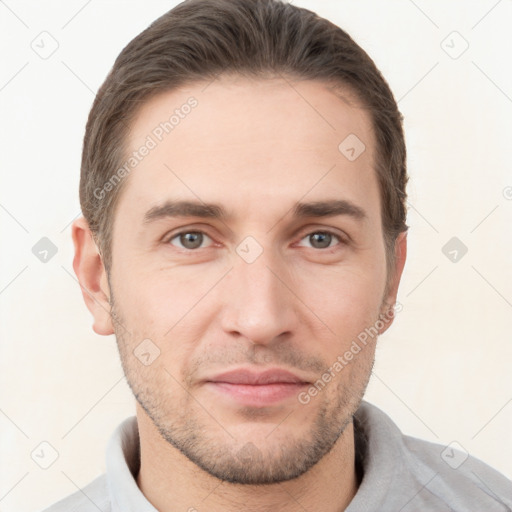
<point x="340" y="238"/>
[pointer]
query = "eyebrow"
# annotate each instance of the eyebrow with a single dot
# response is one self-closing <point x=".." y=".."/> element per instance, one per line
<point x="330" y="208"/>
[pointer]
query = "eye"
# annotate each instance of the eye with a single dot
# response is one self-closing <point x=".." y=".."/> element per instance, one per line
<point x="322" y="239"/>
<point x="189" y="239"/>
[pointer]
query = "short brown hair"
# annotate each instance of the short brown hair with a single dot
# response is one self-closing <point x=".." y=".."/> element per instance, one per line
<point x="201" y="39"/>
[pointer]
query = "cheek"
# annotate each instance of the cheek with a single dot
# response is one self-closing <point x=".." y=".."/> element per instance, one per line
<point x="348" y="302"/>
<point x="347" y="295"/>
<point x="161" y="296"/>
<point x="171" y="307"/>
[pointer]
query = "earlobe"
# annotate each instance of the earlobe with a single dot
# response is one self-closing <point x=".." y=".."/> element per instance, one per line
<point x="400" y="258"/>
<point x="92" y="276"/>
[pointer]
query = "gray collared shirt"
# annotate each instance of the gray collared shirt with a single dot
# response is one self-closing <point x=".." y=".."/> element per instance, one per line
<point x="400" y="474"/>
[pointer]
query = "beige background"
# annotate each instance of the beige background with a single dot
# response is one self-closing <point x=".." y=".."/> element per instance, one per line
<point x="443" y="369"/>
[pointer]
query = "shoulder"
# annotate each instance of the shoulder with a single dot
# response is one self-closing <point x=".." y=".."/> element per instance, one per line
<point x="93" y="497"/>
<point x="414" y="474"/>
<point x="456" y="477"/>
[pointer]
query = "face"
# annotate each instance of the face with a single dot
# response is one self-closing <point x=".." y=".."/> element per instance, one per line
<point x="245" y="240"/>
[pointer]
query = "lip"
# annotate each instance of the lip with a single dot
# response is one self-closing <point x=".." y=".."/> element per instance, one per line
<point x="246" y="376"/>
<point x="256" y="389"/>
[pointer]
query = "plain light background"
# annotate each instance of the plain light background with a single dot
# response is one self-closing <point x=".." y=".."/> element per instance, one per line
<point x="443" y="369"/>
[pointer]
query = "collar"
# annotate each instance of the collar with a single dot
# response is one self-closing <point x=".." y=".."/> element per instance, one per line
<point x="376" y="438"/>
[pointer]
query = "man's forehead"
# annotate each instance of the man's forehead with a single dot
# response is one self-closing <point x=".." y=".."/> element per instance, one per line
<point x="233" y="109"/>
<point x="248" y="144"/>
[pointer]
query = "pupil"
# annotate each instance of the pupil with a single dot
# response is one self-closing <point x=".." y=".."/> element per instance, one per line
<point x="191" y="240"/>
<point x="323" y="239"/>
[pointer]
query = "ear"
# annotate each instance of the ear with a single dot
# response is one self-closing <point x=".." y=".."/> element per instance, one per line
<point x="92" y="276"/>
<point x="390" y="298"/>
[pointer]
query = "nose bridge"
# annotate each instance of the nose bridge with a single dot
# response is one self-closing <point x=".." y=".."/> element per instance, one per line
<point x="259" y="305"/>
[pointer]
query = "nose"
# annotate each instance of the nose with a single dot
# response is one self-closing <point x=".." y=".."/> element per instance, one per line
<point x="259" y="304"/>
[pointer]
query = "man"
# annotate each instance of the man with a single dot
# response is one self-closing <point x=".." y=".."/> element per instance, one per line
<point x="243" y="190"/>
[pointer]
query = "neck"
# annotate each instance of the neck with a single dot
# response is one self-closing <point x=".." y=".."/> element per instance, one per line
<point x="171" y="482"/>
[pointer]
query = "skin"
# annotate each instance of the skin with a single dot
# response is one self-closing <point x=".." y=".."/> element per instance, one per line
<point x="256" y="148"/>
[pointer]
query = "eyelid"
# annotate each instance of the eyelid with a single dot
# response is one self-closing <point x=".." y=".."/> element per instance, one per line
<point x="166" y="239"/>
<point x="169" y="235"/>
<point x="342" y="240"/>
<point x="309" y="230"/>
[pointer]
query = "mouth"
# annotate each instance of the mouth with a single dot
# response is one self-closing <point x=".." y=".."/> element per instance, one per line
<point x="261" y="389"/>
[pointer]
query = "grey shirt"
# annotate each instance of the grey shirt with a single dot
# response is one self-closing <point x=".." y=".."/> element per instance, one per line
<point x="399" y="474"/>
